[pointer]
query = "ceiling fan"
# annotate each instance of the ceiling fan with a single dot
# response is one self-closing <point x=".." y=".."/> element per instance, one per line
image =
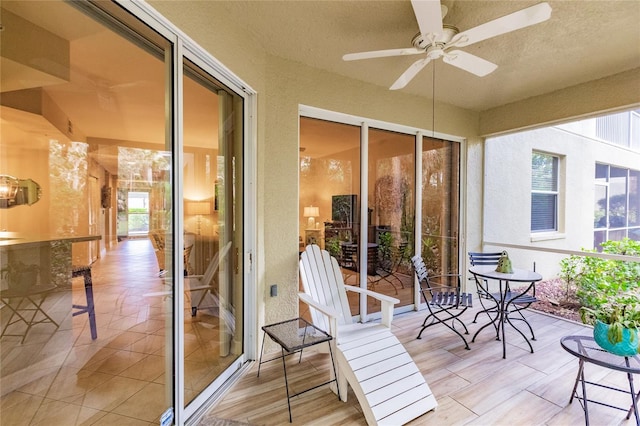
<point x="438" y="40"/>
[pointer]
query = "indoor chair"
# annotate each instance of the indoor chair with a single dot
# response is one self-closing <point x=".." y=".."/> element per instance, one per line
<point x="25" y="304"/>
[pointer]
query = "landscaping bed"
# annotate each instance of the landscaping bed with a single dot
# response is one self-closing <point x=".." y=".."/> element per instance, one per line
<point x="555" y="299"/>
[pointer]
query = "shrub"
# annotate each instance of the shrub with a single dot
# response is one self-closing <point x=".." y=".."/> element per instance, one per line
<point x="598" y="280"/>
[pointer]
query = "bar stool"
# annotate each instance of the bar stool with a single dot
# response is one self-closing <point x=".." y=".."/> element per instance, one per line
<point x="34" y="297"/>
<point x="85" y="271"/>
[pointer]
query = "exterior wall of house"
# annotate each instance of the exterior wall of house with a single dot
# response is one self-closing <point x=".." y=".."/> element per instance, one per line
<point x="507" y="194"/>
<point x="282" y="86"/>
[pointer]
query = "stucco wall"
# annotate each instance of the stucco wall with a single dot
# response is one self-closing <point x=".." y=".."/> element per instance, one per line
<point x="282" y="85"/>
<point x="507" y="193"/>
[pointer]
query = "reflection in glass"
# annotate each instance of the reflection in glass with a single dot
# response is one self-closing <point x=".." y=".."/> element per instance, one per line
<point x="440" y="205"/>
<point x="213" y="326"/>
<point x="330" y="180"/>
<point x="107" y="354"/>
<point x="392" y="210"/>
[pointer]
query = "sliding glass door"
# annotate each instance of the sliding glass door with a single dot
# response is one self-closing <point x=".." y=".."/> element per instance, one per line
<point x="374" y="244"/>
<point x="122" y="217"/>
<point x="213" y="238"/>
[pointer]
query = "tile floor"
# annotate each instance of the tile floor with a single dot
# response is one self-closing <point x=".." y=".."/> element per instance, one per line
<point x="62" y="377"/>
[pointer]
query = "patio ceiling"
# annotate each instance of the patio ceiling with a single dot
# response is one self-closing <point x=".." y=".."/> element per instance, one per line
<point x="582" y="41"/>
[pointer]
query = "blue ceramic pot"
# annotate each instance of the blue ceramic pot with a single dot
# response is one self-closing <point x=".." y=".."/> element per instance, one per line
<point x="626" y="347"/>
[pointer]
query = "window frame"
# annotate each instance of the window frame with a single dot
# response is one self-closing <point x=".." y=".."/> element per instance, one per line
<point x="554" y="192"/>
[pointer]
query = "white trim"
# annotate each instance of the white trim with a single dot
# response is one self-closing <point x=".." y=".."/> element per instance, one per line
<point x="365" y="124"/>
<point x="417" y="230"/>
<point x="185" y="47"/>
<point x="563" y="251"/>
<point x="364" y="205"/>
<point x="547" y="236"/>
<point x="323" y="114"/>
<point x="178" y="258"/>
<point x="162" y="25"/>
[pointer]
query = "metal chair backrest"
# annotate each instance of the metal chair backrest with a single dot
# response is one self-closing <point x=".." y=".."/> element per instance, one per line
<point x="479" y="258"/>
<point x="422" y="273"/>
<point x="349" y="258"/>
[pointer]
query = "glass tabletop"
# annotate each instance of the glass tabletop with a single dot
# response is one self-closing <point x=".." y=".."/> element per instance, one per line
<point x="296" y="334"/>
<point x="522" y="275"/>
<point x="585" y="348"/>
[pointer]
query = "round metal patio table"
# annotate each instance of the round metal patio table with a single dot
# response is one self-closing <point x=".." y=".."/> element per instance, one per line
<point x="587" y="350"/>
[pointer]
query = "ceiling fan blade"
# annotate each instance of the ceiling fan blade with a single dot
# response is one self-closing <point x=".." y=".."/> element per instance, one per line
<point x="381" y="53"/>
<point x="429" y="16"/>
<point x="411" y="72"/>
<point x="468" y="62"/>
<point x="515" y="21"/>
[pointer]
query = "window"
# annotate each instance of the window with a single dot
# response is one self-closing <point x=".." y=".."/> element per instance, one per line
<point x="544" y="192"/>
<point x="616" y="204"/>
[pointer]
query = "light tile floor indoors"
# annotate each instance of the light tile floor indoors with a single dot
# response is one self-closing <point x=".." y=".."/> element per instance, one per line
<point x="63" y="377"/>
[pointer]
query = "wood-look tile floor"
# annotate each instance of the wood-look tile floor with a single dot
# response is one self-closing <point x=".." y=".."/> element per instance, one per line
<point x="474" y="387"/>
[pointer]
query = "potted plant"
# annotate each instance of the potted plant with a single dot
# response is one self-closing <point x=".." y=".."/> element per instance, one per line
<point x="616" y="323"/>
<point x="19" y="275"/>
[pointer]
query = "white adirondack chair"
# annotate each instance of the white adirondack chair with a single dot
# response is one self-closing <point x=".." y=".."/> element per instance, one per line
<point x="390" y="388"/>
<point x="202" y="286"/>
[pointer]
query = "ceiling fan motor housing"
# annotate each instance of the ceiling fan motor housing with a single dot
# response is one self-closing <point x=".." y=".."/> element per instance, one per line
<point x="433" y="39"/>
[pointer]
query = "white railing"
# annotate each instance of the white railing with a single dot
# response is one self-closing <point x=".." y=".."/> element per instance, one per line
<point x="567" y="252"/>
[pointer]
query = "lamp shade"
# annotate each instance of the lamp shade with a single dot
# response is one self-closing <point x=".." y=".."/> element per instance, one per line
<point x="8" y="187"/>
<point x="311" y="212"/>
<point x="198" y="207"/>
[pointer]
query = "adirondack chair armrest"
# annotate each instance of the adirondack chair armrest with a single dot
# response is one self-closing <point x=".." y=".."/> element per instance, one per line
<point x="386" y="302"/>
<point x="193" y="277"/>
<point x="331" y="313"/>
<point x="379" y="296"/>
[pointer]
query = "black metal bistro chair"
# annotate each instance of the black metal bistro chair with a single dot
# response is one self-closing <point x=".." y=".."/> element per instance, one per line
<point x="443" y="298"/>
<point x="487" y="299"/>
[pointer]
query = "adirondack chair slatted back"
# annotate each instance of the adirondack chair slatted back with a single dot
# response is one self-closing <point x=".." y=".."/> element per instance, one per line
<point x="322" y="280"/>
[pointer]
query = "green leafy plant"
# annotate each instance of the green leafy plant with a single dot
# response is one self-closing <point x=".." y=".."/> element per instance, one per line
<point x="598" y="280"/>
<point x="620" y="312"/>
<point x="333" y="246"/>
<point x="385" y="242"/>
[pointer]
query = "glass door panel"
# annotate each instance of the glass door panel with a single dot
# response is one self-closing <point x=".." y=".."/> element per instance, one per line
<point x="330" y="194"/>
<point x="214" y="305"/>
<point x="392" y="209"/>
<point x="440" y="205"/>
<point x="104" y="353"/>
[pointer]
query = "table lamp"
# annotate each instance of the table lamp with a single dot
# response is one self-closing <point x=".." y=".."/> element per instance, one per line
<point x="198" y="208"/>
<point x="311" y="212"/>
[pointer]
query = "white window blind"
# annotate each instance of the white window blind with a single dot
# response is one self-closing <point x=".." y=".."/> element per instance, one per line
<point x="544" y="192"/>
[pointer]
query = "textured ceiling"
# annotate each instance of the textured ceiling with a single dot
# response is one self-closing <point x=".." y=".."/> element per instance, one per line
<point x="583" y="41"/>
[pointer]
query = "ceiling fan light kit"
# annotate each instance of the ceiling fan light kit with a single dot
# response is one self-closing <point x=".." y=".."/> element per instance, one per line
<point x="436" y="39"/>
